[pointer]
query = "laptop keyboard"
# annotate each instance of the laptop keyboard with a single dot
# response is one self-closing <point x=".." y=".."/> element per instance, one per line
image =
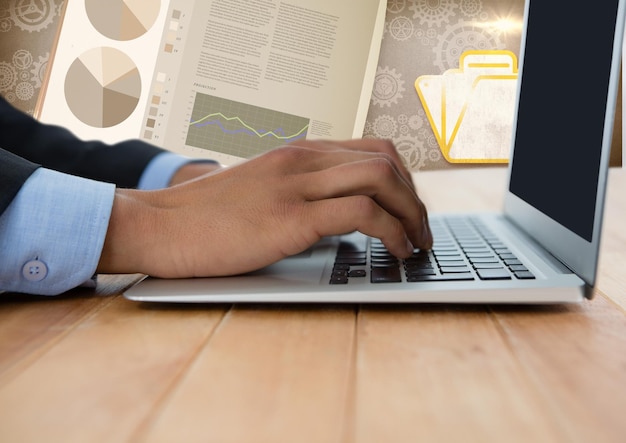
<point x="463" y="249"/>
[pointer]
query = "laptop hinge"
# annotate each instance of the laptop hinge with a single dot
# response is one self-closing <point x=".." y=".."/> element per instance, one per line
<point x="540" y="250"/>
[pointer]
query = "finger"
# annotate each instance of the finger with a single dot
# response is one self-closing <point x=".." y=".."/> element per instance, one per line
<point x="325" y="155"/>
<point x="294" y="159"/>
<point x="387" y="147"/>
<point x="375" y="178"/>
<point x="383" y="146"/>
<point x="427" y="235"/>
<point x="363" y="145"/>
<point x="359" y="213"/>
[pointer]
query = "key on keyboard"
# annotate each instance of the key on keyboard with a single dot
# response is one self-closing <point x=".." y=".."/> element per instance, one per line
<point x="463" y="250"/>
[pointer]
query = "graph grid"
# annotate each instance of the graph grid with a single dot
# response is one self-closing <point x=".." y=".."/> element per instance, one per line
<point x="240" y="129"/>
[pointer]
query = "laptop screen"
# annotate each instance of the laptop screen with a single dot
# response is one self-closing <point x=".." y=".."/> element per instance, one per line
<point x="561" y="114"/>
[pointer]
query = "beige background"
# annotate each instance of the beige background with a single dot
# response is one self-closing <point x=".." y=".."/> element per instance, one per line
<point x="421" y="37"/>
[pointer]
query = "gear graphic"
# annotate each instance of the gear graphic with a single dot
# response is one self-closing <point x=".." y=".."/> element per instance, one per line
<point x="384" y="127"/>
<point x="463" y="36"/>
<point x="388" y="87"/>
<point x="415" y="122"/>
<point x="401" y="28"/>
<point x="433" y="13"/>
<point x="5" y="25"/>
<point x="396" y="6"/>
<point x="412" y="152"/>
<point x="434" y="155"/>
<point x="39" y="70"/>
<point x="32" y="15"/>
<point x="25" y="91"/>
<point x="431" y="141"/>
<point x="8" y="77"/>
<point x="471" y="8"/>
<point x="423" y="132"/>
<point x="426" y="134"/>
<point x="22" y="59"/>
<point x="422" y="36"/>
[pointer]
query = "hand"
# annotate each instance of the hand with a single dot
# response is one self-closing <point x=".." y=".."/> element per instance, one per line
<point x="193" y="170"/>
<point x="278" y="204"/>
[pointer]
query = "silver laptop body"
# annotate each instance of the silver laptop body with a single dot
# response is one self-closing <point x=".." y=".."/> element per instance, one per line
<point x="549" y="232"/>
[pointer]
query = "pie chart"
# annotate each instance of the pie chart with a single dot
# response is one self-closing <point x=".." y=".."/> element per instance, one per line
<point x="122" y="19"/>
<point x="102" y="87"/>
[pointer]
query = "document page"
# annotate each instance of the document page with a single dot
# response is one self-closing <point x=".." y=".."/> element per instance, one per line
<point x="220" y="79"/>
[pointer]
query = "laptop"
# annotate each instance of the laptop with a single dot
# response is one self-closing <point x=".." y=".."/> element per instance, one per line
<point x="542" y="248"/>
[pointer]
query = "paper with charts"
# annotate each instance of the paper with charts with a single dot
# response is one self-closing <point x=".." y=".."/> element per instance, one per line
<point x="223" y="79"/>
<point x="471" y="109"/>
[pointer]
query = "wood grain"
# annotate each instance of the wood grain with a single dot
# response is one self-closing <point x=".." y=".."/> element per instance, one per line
<point x="30" y="325"/>
<point x="99" y="382"/>
<point x="269" y="374"/>
<point x="576" y="359"/>
<point x="442" y="374"/>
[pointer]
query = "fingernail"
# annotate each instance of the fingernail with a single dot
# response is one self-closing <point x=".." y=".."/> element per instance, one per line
<point x="427" y="236"/>
<point x="409" y="246"/>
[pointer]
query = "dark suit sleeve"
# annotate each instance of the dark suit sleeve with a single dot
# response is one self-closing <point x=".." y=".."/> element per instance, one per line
<point x="14" y="172"/>
<point x="57" y="148"/>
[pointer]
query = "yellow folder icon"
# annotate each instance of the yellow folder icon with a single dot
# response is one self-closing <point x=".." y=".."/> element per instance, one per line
<point x="471" y="109"/>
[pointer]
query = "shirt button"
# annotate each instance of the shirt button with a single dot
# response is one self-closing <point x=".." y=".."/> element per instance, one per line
<point x="35" y="270"/>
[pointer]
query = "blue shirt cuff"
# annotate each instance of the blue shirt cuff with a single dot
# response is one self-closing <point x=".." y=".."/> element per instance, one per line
<point x="52" y="233"/>
<point x="159" y="172"/>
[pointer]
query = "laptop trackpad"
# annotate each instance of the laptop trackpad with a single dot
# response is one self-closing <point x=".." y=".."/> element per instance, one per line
<point x="308" y="265"/>
<point x="290" y="274"/>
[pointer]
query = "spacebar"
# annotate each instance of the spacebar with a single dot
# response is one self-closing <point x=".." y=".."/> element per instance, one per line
<point x="444" y="277"/>
<point x="386" y="275"/>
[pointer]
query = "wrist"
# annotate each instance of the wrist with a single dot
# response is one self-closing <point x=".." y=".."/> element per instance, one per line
<point x="193" y="170"/>
<point x="130" y="234"/>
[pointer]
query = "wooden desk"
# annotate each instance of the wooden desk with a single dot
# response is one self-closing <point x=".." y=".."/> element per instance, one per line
<point x="91" y="368"/>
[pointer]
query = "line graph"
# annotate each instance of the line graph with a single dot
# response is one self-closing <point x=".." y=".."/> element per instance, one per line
<point x="214" y="119"/>
<point x="240" y="129"/>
